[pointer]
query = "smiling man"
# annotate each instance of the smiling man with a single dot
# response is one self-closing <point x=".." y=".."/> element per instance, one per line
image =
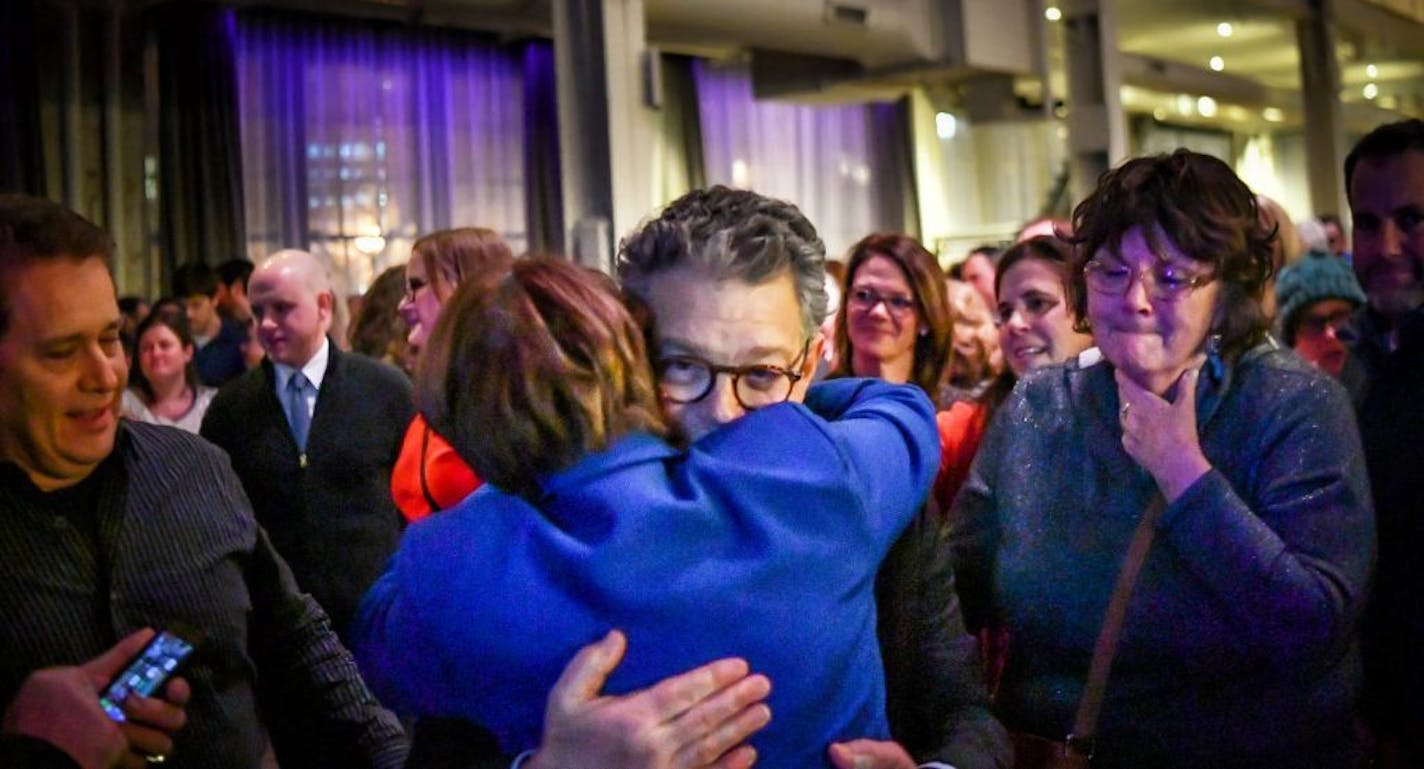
<point x="109" y="526"/>
<point x="735" y="285"/>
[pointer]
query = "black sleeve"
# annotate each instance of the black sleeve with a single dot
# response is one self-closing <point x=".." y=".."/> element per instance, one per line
<point x="935" y="695"/>
<point x="315" y="704"/>
<point x="22" y="752"/>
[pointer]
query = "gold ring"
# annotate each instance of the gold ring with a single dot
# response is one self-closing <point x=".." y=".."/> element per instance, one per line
<point x="156" y="758"/>
<point x="1123" y="411"/>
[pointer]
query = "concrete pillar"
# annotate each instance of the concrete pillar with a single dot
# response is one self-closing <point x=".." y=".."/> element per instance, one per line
<point x="1097" y="129"/>
<point x="608" y="132"/>
<point x="1324" y="114"/>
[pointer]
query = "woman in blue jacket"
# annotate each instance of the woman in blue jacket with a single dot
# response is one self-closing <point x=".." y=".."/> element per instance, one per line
<point x="1239" y="647"/>
<point x="760" y="540"/>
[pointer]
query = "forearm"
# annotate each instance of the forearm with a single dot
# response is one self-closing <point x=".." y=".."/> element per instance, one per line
<point x="1291" y="601"/>
<point x="304" y="666"/>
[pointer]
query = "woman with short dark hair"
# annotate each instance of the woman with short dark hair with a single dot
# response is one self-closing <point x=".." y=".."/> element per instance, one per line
<point x="1235" y="468"/>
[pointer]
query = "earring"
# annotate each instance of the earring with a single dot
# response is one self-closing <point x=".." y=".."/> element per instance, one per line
<point x="924" y="331"/>
<point x="1213" y="345"/>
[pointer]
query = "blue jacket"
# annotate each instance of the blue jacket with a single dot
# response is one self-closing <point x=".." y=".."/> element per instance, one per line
<point x="760" y="541"/>
<point x="1240" y="643"/>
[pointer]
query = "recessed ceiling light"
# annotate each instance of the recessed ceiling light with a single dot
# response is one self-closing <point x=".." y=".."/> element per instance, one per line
<point x="1052" y="13"/>
<point x="1371" y="90"/>
<point x="1217" y="63"/>
<point x="1159" y="114"/>
<point x="1273" y="114"/>
<point x="1371" y="71"/>
<point x="1224" y="29"/>
<point x="946" y="125"/>
<point x="1184" y="104"/>
<point x="1206" y="106"/>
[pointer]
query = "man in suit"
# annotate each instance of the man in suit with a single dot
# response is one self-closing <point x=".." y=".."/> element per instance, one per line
<point x="313" y="433"/>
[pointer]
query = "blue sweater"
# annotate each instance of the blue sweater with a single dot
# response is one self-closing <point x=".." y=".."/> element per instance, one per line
<point x="1239" y="646"/>
<point x="760" y="541"/>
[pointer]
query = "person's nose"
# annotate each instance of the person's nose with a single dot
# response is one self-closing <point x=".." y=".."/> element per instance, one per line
<point x="1391" y="240"/>
<point x="100" y="371"/>
<point x="1138" y="295"/>
<point x="1017" y="323"/>
<point x="723" y="401"/>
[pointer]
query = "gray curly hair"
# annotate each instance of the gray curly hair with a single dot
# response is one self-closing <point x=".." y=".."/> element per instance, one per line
<point x="733" y="234"/>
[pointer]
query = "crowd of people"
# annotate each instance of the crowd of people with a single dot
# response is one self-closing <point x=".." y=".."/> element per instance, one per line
<point x="1140" y="489"/>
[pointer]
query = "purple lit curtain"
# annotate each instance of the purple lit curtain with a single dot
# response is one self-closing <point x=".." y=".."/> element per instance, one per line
<point x="357" y="138"/>
<point x="828" y="160"/>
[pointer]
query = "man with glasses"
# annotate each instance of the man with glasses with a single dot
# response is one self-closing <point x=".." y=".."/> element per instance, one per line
<point x="734" y="283"/>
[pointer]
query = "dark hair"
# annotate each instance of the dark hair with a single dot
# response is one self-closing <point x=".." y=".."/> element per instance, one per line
<point x="179" y="326"/>
<point x="194" y="279"/>
<point x="1385" y="141"/>
<point x="451" y="257"/>
<point x="1053" y="252"/>
<point x="528" y="375"/>
<point x="933" y="349"/>
<point x="1044" y="248"/>
<point x="378" y="331"/>
<point x="1198" y="203"/>
<point x="733" y="234"/>
<point x="1062" y="228"/>
<point x="1329" y="219"/>
<point x="235" y="271"/>
<point x="36" y="230"/>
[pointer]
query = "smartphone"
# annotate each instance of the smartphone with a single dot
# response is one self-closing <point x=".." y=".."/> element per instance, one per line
<point x="159" y="661"/>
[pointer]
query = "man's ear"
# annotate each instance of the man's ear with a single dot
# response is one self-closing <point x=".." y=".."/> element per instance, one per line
<point x="326" y="303"/>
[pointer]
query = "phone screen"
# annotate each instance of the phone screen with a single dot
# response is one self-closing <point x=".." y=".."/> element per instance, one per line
<point x="147" y="673"/>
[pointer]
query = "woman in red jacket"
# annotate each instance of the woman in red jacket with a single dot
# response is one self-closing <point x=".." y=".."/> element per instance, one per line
<point x="429" y="475"/>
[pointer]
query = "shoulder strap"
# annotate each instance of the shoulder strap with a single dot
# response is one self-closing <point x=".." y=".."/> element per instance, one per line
<point x="1085" y="722"/>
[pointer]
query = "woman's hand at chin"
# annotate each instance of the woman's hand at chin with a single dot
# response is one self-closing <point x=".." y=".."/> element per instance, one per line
<point x="1161" y="435"/>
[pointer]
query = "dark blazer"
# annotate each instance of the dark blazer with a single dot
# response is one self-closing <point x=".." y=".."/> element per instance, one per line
<point x="331" y="517"/>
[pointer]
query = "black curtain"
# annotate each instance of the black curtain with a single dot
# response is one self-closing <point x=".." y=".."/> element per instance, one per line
<point x="681" y="114"/>
<point x="200" y="169"/>
<point x="895" y="165"/>
<point x="21" y="148"/>
<point x="543" y="192"/>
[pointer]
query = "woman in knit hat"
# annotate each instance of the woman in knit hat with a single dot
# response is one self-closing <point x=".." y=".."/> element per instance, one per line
<point x="1317" y="296"/>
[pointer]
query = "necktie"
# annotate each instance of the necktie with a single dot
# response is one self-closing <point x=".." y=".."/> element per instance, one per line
<point x="297" y="415"/>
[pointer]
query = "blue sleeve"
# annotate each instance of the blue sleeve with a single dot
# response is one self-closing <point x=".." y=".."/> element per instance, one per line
<point x="392" y="647"/>
<point x="887" y="438"/>
<point x="1289" y="559"/>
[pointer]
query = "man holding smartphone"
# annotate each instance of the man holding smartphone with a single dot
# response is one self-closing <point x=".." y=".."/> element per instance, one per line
<point x="55" y="721"/>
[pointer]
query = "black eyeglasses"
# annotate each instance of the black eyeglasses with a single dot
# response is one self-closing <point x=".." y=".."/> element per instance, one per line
<point x="1163" y="280"/>
<point x="685" y="379"/>
<point x="865" y="299"/>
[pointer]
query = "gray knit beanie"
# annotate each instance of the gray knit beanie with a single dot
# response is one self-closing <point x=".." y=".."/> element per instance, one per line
<point x="1316" y="277"/>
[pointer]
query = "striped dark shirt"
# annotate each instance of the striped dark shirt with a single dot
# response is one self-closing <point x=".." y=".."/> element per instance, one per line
<point x="176" y="542"/>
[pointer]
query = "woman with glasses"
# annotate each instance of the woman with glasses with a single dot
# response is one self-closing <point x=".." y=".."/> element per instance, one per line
<point x="1233" y="466"/>
<point x="429" y="475"/>
<point x="760" y="540"/>
<point x="894" y="322"/>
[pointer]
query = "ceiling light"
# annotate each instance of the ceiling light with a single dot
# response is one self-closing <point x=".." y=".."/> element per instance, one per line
<point x="1217" y="63"/>
<point x="1273" y="114"/>
<point x="1371" y="90"/>
<point x="946" y="126"/>
<point x="1052" y="13"/>
<point x="1224" y="29"/>
<point x="1371" y="71"/>
<point x="1206" y="106"/>
<point x="1184" y="104"/>
<point x="1159" y="114"/>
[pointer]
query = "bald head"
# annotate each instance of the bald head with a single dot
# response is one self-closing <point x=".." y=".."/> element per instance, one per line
<point x="292" y="302"/>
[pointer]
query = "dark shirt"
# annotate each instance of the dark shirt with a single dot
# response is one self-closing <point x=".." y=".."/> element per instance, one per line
<point x="220" y="360"/>
<point x="176" y="542"/>
<point x="17" y="752"/>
